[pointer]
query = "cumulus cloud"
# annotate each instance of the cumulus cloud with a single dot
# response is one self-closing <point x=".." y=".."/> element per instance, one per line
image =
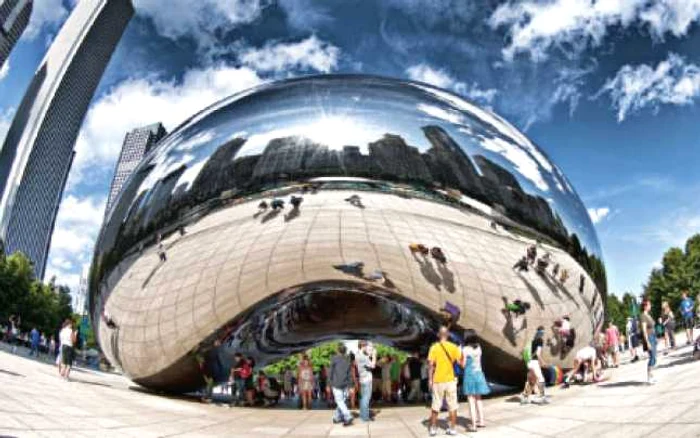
<point x="45" y="14"/>
<point x="598" y="214"/>
<point x="441" y="79"/>
<point x="534" y="27"/>
<point x="672" y="81"/>
<point x="5" y="121"/>
<point x="308" y="54"/>
<point x="77" y="224"/>
<point x="200" y="19"/>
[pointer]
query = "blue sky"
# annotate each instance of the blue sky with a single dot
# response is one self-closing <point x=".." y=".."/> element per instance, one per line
<point x="606" y="88"/>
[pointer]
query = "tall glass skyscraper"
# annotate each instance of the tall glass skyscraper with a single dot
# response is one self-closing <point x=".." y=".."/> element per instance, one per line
<point x="14" y="17"/>
<point x="137" y="144"/>
<point x="38" y="150"/>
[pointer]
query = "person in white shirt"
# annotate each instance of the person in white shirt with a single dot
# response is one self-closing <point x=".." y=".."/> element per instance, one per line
<point x="67" y="339"/>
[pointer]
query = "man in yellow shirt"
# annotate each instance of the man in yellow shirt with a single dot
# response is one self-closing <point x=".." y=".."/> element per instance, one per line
<point x="443" y="382"/>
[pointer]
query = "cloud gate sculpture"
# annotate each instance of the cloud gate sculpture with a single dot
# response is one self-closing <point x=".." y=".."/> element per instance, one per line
<point x="341" y="207"/>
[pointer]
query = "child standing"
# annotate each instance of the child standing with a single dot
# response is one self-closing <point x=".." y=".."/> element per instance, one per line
<point x="474" y="384"/>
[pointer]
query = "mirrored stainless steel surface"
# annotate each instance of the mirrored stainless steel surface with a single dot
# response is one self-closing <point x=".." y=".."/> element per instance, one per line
<point x="292" y="213"/>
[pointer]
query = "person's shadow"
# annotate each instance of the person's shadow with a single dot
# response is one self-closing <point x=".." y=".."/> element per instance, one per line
<point x="293" y="214"/>
<point x="270" y="215"/>
<point x="448" y="278"/>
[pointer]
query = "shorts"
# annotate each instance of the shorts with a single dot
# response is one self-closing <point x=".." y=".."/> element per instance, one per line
<point x="688" y="322"/>
<point x="612" y="349"/>
<point x="534" y="366"/>
<point x="67" y="355"/>
<point x="446" y="391"/>
<point x="386" y="386"/>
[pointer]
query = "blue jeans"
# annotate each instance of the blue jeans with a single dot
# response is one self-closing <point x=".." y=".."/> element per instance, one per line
<point x="239" y="390"/>
<point x="341" y="411"/>
<point x="652" y="350"/>
<point x="365" y="397"/>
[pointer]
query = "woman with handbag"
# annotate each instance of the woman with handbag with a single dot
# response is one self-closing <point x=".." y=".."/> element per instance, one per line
<point x="648" y="338"/>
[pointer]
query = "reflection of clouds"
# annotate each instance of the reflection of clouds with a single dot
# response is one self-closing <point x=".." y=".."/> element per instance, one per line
<point x="189" y="175"/>
<point x="523" y="162"/>
<point x="442" y="114"/>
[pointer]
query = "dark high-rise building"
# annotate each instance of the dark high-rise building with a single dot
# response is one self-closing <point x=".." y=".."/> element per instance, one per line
<point x="137" y="144"/>
<point x="14" y="17"/>
<point x="38" y="150"/>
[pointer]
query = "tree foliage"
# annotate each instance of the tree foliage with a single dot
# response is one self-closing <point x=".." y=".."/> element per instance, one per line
<point x="321" y="356"/>
<point x="679" y="272"/>
<point x="38" y="304"/>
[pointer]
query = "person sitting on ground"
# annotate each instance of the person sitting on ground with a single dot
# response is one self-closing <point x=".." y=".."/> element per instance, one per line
<point x="438" y="255"/>
<point x="419" y="248"/>
<point x="262" y="205"/>
<point x="268" y="390"/>
<point x="521" y="265"/>
<point x="517" y="307"/>
<point x="352" y="268"/>
<point x="542" y="264"/>
<point x="277" y="204"/>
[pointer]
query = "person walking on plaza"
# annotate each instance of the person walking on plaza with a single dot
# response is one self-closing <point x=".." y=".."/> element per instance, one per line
<point x="612" y="343"/>
<point x="305" y="377"/>
<point x="366" y="361"/>
<point x="442" y="379"/>
<point x="414" y="373"/>
<point x="13" y="331"/>
<point x="648" y="338"/>
<point x="669" y="322"/>
<point x="474" y="384"/>
<point x="340" y="380"/>
<point x="687" y="308"/>
<point x="67" y="337"/>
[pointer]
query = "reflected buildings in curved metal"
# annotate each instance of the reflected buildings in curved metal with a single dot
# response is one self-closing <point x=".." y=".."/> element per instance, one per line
<point x="378" y="165"/>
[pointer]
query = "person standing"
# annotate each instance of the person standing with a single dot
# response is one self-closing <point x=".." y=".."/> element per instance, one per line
<point x="67" y="337"/>
<point x="442" y="380"/>
<point x="287" y="383"/>
<point x="687" y="308"/>
<point x="386" y="379"/>
<point x="34" y="339"/>
<point x="669" y="322"/>
<point x="612" y="343"/>
<point x="340" y="381"/>
<point x="305" y="377"/>
<point x="414" y="376"/>
<point x="474" y="384"/>
<point x="13" y="331"/>
<point x="237" y="381"/>
<point x="535" y="363"/>
<point x="395" y="374"/>
<point x="366" y="361"/>
<point x="648" y="338"/>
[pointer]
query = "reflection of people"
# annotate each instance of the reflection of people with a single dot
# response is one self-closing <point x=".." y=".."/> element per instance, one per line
<point x="438" y="255"/>
<point x="418" y="248"/>
<point x="517" y="307"/>
<point x="581" y="283"/>
<point x="531" y="254"/>
<point x="521" y="265"/>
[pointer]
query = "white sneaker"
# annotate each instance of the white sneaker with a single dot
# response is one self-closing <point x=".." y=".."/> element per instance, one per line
<point x="432" y="430"/>
<point x="451" y="431"/>
<point x="651" y="381"/>
<point x="524" y="400"/>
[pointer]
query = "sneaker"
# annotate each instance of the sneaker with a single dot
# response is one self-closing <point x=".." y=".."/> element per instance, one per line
<point x="451" y="431"/>
<point x="524" y="400"/>
<point x="432" y="430"/>
<point x="651" y="381"/>
<point x="347" y="423"/>
<point x="544" y="400"/>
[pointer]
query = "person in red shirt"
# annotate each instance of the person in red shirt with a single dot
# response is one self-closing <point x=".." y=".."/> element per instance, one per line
<point x="612" y="343"/>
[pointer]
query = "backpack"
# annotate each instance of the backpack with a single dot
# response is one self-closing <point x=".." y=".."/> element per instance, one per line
<point x="527" y="354"/>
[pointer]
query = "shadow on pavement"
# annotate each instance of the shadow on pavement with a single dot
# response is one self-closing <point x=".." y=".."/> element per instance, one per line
<point x="12" y="373"/>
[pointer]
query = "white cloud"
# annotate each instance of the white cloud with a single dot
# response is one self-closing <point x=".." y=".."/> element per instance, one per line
<point x="136" y="102"/>
<point x="199" y="19"/>
<point x="534" y="27"/>
<point x="441" y="79"/>
<point x="5" y="69"/>
<point x="598" y="214"/>
<point x="45" y="13"/>
<point x="633" y="88"/>
<point x="308" y="54"/>
<point x="523" y="162"/>
<point x="5" y="121"/>
<point x="77" y="224"/>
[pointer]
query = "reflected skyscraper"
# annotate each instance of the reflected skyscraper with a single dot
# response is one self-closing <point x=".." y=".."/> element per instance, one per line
<point x="38" y="150"/>
<point x="137" y="144"/>
<point x="14" y="17"/>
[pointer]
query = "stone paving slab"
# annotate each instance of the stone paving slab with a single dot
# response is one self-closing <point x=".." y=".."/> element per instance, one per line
<point x="34" y="402"/>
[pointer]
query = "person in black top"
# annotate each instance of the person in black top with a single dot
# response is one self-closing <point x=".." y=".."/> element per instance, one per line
<point x="414" y="367"/>
<point x="340" y="381"/>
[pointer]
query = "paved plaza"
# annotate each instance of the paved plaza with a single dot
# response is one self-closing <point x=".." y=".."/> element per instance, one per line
<point x="35" y="402"/>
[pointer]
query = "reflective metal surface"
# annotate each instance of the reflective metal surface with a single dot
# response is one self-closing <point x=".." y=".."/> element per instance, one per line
<point x="193" y="250"/>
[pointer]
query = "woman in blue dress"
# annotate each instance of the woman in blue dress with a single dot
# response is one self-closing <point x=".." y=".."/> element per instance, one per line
<point x="474" y="384"/>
